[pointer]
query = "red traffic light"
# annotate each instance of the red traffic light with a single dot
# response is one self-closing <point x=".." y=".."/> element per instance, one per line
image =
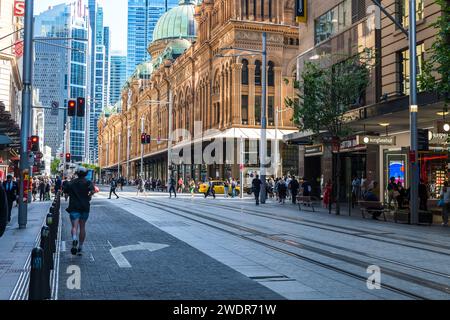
<point x="34" y="143"/>
<point x="143" y="138"/>
<point x="72" y="107"/>
<point x="148" y="139"/>
<point x="81" y="105"/>
<point x="67" y="157"/>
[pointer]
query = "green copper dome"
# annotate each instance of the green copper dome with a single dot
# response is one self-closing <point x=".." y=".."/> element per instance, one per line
<point x="178" y="22"/>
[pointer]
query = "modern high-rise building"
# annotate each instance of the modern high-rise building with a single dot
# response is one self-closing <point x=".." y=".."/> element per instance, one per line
<point x="142" y="18"/>
<point x="117" y="78"/>
<point x="61" y="74"/>
<point x="99" y="86"/>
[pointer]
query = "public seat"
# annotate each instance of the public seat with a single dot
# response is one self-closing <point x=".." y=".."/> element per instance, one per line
<point x="305" y="201"/>
<point x="371" y="206"/>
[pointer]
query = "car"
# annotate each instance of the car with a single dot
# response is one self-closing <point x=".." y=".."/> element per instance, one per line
<point x="219" y="187"/>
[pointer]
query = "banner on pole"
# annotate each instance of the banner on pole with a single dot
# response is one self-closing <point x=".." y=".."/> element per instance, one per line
<point x="18" y="49"/>
<point x="301" y="10"/>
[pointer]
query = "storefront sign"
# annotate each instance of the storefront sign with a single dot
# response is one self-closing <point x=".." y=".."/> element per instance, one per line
<point x="438" y="138"/>
<point x="377" y="140"/>
<point x="313" y="150"/>
<point x="19" y="8"/>
<point x="349" y="145"/>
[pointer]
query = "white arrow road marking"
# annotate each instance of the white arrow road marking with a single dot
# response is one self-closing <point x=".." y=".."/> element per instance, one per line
<point x="118" y="252"/>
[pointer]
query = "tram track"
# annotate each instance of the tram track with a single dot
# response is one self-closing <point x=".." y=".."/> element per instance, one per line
<point x="267" y="237"/>
<point x="361" y="233"/>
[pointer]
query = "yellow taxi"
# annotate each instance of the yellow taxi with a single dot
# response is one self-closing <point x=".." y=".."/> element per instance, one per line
<point x="219" y="187"/>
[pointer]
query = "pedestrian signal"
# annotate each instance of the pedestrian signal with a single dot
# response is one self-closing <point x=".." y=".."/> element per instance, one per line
<point x="71" y="107"/>
<point x="81" y="107"/>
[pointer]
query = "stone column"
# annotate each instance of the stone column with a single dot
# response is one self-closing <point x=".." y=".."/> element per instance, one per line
<point x="222" y="101"/>
<point x="236" y="93"/>
<point x="251" y="94"/>
<point x="278" y="99"/>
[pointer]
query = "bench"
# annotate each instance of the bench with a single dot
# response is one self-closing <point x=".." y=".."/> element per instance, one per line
<point x="306" y="201"/>
<point x="372" y="206"/>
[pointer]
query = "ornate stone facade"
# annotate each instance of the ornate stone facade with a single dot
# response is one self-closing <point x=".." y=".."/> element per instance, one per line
<point x="222" y="93"/>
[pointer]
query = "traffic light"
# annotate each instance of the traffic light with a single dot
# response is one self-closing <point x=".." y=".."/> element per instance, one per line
<point x="143" y="138"/>
<point x="81" y="106"/>
<point x="67" y="157"/>
<point x="72" y="107"/>
<point x="34" y="143"/>
<point x="148" y="139"/>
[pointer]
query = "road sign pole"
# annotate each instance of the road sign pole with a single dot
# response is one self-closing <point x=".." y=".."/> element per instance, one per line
<point x="263" y="141"/>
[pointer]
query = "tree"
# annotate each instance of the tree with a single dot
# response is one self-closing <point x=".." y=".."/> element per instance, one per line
<point x="326" y="91"/>
<point x="54" y="166"/>
<point x="438" y="62"/>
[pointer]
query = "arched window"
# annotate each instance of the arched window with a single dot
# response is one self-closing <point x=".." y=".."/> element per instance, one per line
<point x="258" y="73"/>
<point x="244" y="72"/>
<point x="271" y="74"/>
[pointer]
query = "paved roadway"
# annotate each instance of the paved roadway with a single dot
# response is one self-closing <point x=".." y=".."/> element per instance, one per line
<point x="205" y="249"/>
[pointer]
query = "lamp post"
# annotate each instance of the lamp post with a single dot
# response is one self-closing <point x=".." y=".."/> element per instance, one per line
<point x="414" y="212"/>
<point x="26" y="109"/>
<point x="142" y="149"/>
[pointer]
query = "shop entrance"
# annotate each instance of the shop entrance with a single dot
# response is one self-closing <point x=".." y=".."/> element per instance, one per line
<point x="433" y="171"/>
<point x="313" y="173"/>
<point x="353" y="164"/>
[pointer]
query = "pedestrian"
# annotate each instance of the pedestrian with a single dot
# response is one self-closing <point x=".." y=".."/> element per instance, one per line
<point x="58" y="185"/>
<point x="226" y="187"/>
<point x="233" y="188"/>
<point x="180" y="185"/>
<point x="34" y="187"/>
<point x="210" y="189"/>
<point x="356" y="187"/>
<point x="445" y="197"/>
<point x="287" y="180"/>
<point x="47" y="190"/>
<point x="140" y="186"/>
<point x="172" y="186"/>
<point x="12" y="192"/>
<point x="192" y="187"/>
<point x="401" y="195"/>
<point x="3" y="210"/>
<point x="327" y="195"/>
<point x="392" y="192"/>
<point x="80" y="192"/>
<point x="41" y="190"/>
<point x="306" y="187"/>
<point x="376" y="206"/>
<point x="112" y="188"/>
<point x="294" y="186"/>
<point x="64" y="188"/>
<point x="256" y="188"/>
<point x="282" y="190"/>
<point x="423" y="195"/>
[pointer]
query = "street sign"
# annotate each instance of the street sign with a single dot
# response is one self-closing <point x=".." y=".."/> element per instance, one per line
<point x="39" y="155"/>
<point x="55" y="108"/>
<point x="377" y="140"/>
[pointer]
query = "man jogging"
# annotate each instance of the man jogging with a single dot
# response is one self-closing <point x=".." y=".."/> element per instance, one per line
<point x="80" y="193"/>
<point x="112" y="189"/>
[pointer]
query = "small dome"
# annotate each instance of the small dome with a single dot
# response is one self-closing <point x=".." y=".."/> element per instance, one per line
<point x="179" y="46"/>
<point x="143" y="70"/>
<point x="178" y="22"/>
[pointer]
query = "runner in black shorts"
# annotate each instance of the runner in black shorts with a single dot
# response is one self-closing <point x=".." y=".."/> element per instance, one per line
<point x="80" y="192"/>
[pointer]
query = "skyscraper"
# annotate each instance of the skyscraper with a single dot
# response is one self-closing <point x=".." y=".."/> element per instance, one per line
<point x="142" y="18"/>
<point x="99" y="86"/>
<point x="61" y="74"/>
<point x="117" y="78"/>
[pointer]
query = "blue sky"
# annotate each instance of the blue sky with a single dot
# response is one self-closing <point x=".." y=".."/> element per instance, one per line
<point x="115" y="12"/>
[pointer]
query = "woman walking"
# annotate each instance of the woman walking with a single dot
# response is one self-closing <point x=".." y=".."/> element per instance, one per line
<point x="192" y="188"/>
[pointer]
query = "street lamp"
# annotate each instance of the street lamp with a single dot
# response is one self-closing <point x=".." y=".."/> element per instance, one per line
<point x="263" y="140"/>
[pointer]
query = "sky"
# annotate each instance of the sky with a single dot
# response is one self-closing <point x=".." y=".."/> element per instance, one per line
<point x="115" y="16"/>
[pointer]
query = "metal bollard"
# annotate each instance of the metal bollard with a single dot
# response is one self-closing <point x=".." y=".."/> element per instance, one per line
<point x="47" y="261"/>
<point x="36" y="286"/>
<point x="50" y="221"/>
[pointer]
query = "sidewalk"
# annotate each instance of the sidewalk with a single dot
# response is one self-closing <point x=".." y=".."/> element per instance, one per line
<point x="16" y="246"/>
